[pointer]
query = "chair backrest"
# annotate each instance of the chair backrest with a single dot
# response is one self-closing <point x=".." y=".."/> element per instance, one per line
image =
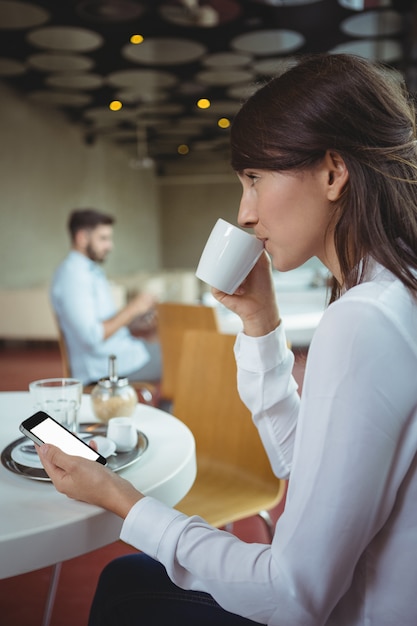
<point x="66" y="366"/>
<point x="174" y="318"/>
<point x="148" y="392"/>
<point x="207" y="400"/>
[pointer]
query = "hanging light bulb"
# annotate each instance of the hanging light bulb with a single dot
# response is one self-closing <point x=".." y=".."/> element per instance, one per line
<point x="143" y="160"/>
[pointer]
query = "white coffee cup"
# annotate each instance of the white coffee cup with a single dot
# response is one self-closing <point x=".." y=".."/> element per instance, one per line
<point x="228" y="256"/>
<point x="123" y="432"/>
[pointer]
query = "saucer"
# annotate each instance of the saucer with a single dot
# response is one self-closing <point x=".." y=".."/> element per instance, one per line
<point x="27" y="464"/>
<point x="29" y="459"/>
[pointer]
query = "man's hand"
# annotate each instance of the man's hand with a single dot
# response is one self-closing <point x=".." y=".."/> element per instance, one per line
<point x="142" y="304"/>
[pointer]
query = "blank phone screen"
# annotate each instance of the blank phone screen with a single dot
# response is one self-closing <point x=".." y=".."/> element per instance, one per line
<point x="49" y="431"/>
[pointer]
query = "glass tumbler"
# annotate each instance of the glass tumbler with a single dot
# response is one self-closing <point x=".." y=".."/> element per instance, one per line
<point x="60" y="398"/>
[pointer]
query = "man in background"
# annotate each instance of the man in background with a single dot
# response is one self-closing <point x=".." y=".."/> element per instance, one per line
<point x="82" y="300"/>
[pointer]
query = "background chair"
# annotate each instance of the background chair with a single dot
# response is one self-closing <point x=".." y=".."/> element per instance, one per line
<point x="174" y="318"/>
<point x="147" y="392"/>
<point x="66" y="368"/>
<point x="234" y="477"/>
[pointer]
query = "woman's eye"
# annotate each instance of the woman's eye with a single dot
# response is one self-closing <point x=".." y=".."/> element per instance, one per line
<point x="252" y="177"/>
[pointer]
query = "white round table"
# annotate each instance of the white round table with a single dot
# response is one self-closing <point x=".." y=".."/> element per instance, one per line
<point x="40" y="527"/>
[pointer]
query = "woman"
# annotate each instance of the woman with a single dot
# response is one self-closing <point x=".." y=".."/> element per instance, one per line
<point x="327" y="157"/>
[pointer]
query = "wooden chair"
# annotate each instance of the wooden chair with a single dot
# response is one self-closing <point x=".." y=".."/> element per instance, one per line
<point x="66" y="368"/>
<point x="147" y="392"/>
<point x="234" y="477"/>
<point x="174" y="318"/>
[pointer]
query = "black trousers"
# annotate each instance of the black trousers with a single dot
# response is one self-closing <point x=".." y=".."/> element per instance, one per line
<point x="135" y="590"/>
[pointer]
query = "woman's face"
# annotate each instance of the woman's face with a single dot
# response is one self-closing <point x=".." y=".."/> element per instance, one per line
<point x="291" y="213"/>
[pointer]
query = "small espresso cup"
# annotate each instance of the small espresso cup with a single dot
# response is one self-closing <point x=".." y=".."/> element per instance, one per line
<point x="228" y="256"/>
<point x="123" y="432"/>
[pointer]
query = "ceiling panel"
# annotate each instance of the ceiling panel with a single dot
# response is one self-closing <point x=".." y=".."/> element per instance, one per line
<point x="159" y="57"/>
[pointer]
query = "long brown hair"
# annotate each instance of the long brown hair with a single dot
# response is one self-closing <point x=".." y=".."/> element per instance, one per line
<point x="362" y="111"/>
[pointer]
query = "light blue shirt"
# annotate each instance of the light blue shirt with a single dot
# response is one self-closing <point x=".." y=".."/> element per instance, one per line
<point x="82" y="299"/>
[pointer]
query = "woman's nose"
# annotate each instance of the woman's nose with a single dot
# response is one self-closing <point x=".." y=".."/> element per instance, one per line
<point x="247" y="217"/>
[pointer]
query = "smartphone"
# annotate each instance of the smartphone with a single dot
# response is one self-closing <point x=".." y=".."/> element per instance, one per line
<point x="42" y="428"/>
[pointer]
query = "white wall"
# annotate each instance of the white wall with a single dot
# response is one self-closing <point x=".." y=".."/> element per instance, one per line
<point x="46" y="170"/>
<point x="190" y="206"/>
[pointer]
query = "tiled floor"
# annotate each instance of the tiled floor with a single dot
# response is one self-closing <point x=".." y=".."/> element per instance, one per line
<point x="22" y="598"/>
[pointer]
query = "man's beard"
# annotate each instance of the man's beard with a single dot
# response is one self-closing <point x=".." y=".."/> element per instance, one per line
<point x="93" y="256"/>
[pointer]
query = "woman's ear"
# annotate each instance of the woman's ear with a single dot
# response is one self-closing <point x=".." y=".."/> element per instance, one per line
<point x="337" y="175"/>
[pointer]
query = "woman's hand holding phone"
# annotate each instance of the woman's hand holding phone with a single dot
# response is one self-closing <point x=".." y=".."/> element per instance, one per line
<point x="78" y="472"/>
<point x="88" y="481"/>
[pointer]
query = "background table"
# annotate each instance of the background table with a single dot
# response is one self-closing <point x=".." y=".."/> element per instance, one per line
<point x="40" y="527"/>
<point x="300" y="311"/>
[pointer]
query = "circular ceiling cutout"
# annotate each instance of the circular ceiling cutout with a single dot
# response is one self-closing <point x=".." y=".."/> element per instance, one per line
<point x="384" y="50"/>
<point x="220" y="107"/>
<point x="227" y="59"/>
<point x="204" y="145"/>
<point x="360" y="5"/>
<point x="189" y="123"/>
<point x="60" y="62"/>
<point x="167" y="146"/>
<point x="142" y="80"/>
<point x="104" y="114"/>
<point x="269" y="42"/>
<point x="144" y="122"/>
<point x="65" y="38"/>
<point x="10" y="67"/>
<point x="200" y="13"/>
<point x="273" y="67"/>
<point x="120" y="134"/>
<point x="109" y="10"/>
<point x="78" y="80"/>
<point x="243" y="92"/>
<point x="223" y="77"/>
<point x="287" y="3"/>
<point x="138" y="96"/>
<point x="191" y="89"/>
<point x="56" y="98"/>
<point x="372" y="24"/>
<point x="164" y="51"/>
<point x="21" y="15"/>
<point x="170" y="108"/>
<point x="212" y="144"/>
<point x="180" y="131"/>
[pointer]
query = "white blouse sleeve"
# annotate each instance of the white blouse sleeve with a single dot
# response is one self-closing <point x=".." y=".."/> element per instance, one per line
<point x="350" y="456"/>
<point x="269" y="391"/>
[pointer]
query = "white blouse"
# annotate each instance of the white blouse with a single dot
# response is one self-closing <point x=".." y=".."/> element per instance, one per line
<point x="345" y="549"/>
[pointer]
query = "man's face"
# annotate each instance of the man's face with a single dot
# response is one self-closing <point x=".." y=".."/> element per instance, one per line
<point x="99" y="242"/>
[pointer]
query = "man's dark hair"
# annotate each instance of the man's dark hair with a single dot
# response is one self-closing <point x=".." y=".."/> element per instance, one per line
<point x="82" y="219"/>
